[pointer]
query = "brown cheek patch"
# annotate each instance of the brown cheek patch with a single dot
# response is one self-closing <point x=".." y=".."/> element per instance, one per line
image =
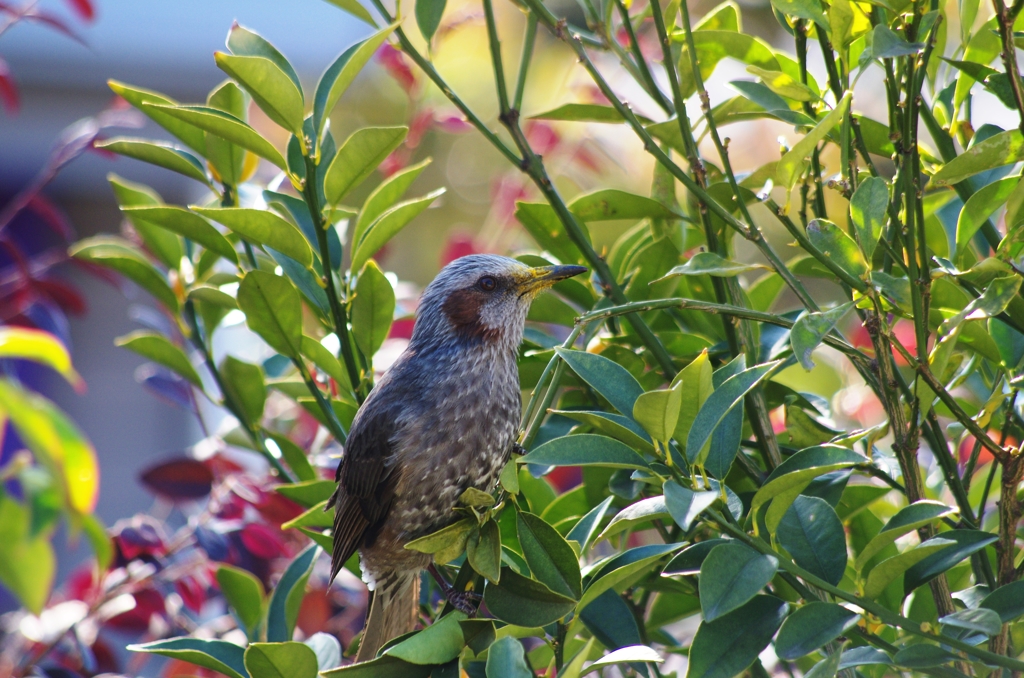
<point x="463" y="310"/>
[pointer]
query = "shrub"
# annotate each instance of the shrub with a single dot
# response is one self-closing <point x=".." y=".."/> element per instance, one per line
<point x="709" y="483"/>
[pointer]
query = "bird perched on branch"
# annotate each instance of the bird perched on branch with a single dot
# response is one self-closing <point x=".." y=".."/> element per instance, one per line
<point x="443" y="419"/>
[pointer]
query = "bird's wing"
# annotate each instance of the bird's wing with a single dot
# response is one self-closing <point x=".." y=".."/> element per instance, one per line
<point x="366" y="486"/>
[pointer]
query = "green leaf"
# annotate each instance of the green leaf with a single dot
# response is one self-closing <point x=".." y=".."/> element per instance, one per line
<point x="792" y="476"/>
<point x="784" y="84"/>
<point x="811" y="627"/>
<point x="610" y="204"/>
<point x="447" y="543"/>
<point x="979" y="620"/>
<point x="658" y="411"/>
<point x="582" y="113"/>
<point x="720" y="402"/>
<point x="643" y="511"/>
<point x="552" y="561"/>
<point x="340" y="74"/>
<point x="384" y="666"/>
<point x="731" y="575"/>
<point x="219" y="655"/>
<point x="270" y="87"/>
<point x="388" y="224"/>
<point x="384" y="197"/>
<point x="228" y="162"/>
<point x="906" y="520"/>
<point x="1001" y="149"/>
<point x="726" y="646"/>
<point x="318" y="515"/>
<point x="965" y="542"/>
<point x="273" y="310"/>
<point x="525" y="602"/>
<point x="281" y="660"/>
<point x="243" y="42"/>
<point x="355" y="9"/>
<point x="373" y="307"/>
<point x="615" y="425"/>
<point x="584" y="532"/>
<point x="309" y="492"/>
<point x="262" y="227"/>
<point x="136" y="96"/>
<point x="1007" y="601"/>
<point x="244" y="382"/>
<point x="428" y="17"/>
<point x="889" y="569"/>
<point x="483" y="550"/>
<point x="709" y="263"/>
<point x="811" y="328"/>
<point x="923" y="656"/>
<point x="584" y="450"/>
<point x="28" y="564"/>
<point x="186" y="224"/>
<point x="296" y="460"/>
<point x="439" y="643"/>
<point x="698" y="384"/>
<point x="126" y="259"/>
<point x="835" y="244"/>
<point x="868" y="209"/>
<point x="327" y="649"/>
<point x="325" y="360"/>
<point x="506" y="657"/>
<point x="227" y="127"/>
<point x="978" y="208"/>
<point x="886" y="44"/>
<point x="685" y="505"/>
<point x="712" y="47"/>
<point x="244" y="593"/>
<point x="802" y="9"/>
<point x="791" y="165"/>
<point x="40" y="347"/>
<point x="863" y="656"/>
<point x="286" y="598"/>
<point x="611" y="380"/>
<point x="623" y="568"/>
<point x="813" y="534"/>
<point x="159" y="154"/>
<point x="358" y="157"/>
<point x="160" y="350"/>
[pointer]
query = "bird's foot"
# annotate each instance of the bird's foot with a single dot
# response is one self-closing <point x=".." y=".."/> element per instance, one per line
<point x="467" y="602"/>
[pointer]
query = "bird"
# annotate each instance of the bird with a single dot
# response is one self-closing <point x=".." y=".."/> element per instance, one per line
<point x="442" y="419"/>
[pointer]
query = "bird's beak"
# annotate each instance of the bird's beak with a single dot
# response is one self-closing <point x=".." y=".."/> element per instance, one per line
<point x="543" y="277"/>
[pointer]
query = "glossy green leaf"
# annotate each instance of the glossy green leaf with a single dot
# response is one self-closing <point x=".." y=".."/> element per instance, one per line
<point x="384" y="666"/>
<point x="1007" y="601"/>
<point x="787" y="172"/>
<point x="159" y="154"/>
<point x="318" y="515"/>
<point x="658" y="412"/>
<point x="273" y="310"/>
<point x="923" y="656"/>
<point x="709" y="263"/>
<point x="784" y="84"/>
<point x="308" y="492"/>
<point x="428" y="16"/>
<point x="726" y="646"/>
<point x="219" y="655"/>
<point x="506" y="658"/>
<point x="325" y="360"/>
<point x="886" y="44"/>
<point x="964" y="543"/>
<point x="281" y="660"/>
<point x="552" y="561"/>
<point x="439" y="643"/>
<point x="585" y="531"/>
<point x="643" y="511"/>
<point x="581" y="113"/>
<point x="813" y="534"/>
<point x="713" y="46"/>
<point x="811" y="627"/>
<point x="388" y="224"/>
<point x="358" y="157"/>
<point x="160" y="350"/>
<point x="731" y="575"/>
<point x="270" y="87"/>
<point x="262" y="227"/>
<point x="192" y="137"/>
<point x="615" y="425"/>
<point x="811" y="328"/>
<point x="1001" y="149"/>
<point x="979" y="620"/>
<point x="384" y="197"/>
<point x="244" y="382"/>
<point x="297" y="461"/>
<point x="483" y="550"/>
<point x="698" y="384"/>
<point x="354" y="8"/>
<point x="126" y="259"/>
<point x="227" y="127"/>
<point x="802" y="9"/>
<point x="906" y="520"/>
<point x="373" y="307"/>
<point x="343" y="71"/>
<point x="229" y="163"/>
<point x="720" y="402"/>
<point x="611" y="380"/>
<point x="244" y="593"/>
<point x="976" y="211"/>
<point x="685" y="505"/>
<point x="524" y="602"/>
<point x="447" y="543"/>
<point x="835" y="244"/>
<point x="868" y="210"/>
<point x="286" y="597"/>
<point x="889" y="569"/>
<point x="623" y="568"/>
<point x="186" y="224"/>
<point x="610" y="204"/>
<point x="584" y="450"/>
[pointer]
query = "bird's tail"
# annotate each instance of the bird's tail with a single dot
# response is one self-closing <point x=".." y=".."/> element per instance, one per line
<point x="394" y="611"/>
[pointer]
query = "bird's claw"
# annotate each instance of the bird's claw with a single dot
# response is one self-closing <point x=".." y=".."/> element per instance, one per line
<point x="466" y="602"/>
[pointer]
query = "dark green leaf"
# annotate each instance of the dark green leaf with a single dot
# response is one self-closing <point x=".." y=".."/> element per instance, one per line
<point x="810" y="627"/>
<point x="691" y="558"/>
<point x="273" y="310"/>
<point x="552" y="561"/>
<point x="525" y="602"/>
<point x="506" y="657"/>
<point x="286" y="598"/>
<point x="614" y="425"/>
<point x="864" y="656"/>
<point x="980" y="620"/>
<point x="623" y="568"/>
<point x="813" y="534"/>
<point x="439" y="643"/>
<point x="384" y="666"/>
<point x="868" y="208"/>
<point x="428" y="16"/>
<point x="730" y="576"/>
<point x="906" y="520"/>
<point x="887" y="571"/>
<point x="1001" y="149"/>
<point x="643" y="511"/>
<point x="725" y="647"/>
<point x="923" y="656"/>
<point x="160" y="350"/>
<point x="244" y="383"/>
<point x="1007" y="600"/>
<point x="608" y="378"/>
<point x="684" y="504"/>
<point x="588" y="526"/>
<point x="886" y="44"/>
<point x="965" y="543"/>
<point x="584" y="450"/>
<point x="835" y="244"/>
<point x="483" y="550"/>
<point x="978" y="208"/>
<point x="218" y="655"/>
<point x="811" y="328"/>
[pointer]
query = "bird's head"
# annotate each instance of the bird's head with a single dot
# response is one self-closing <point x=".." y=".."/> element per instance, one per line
<point x="484" y="298"/>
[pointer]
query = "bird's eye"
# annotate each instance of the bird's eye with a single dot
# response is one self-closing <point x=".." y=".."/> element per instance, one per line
<point x="487" y="283"/>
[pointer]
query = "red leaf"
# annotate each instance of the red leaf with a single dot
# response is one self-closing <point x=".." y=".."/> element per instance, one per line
<point x="262" y="541"/>
<point x="54" y="217"/>
<point x="278" y="509"/>
<point x="83" y="8"/>
<point x="179" y="479"/>
<point x="192" y="593"/>
<point x="62" y="294"/>
<point x="56" y="23"/>
<point x="147" y="603"/>
<point x="8" y="90"/>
